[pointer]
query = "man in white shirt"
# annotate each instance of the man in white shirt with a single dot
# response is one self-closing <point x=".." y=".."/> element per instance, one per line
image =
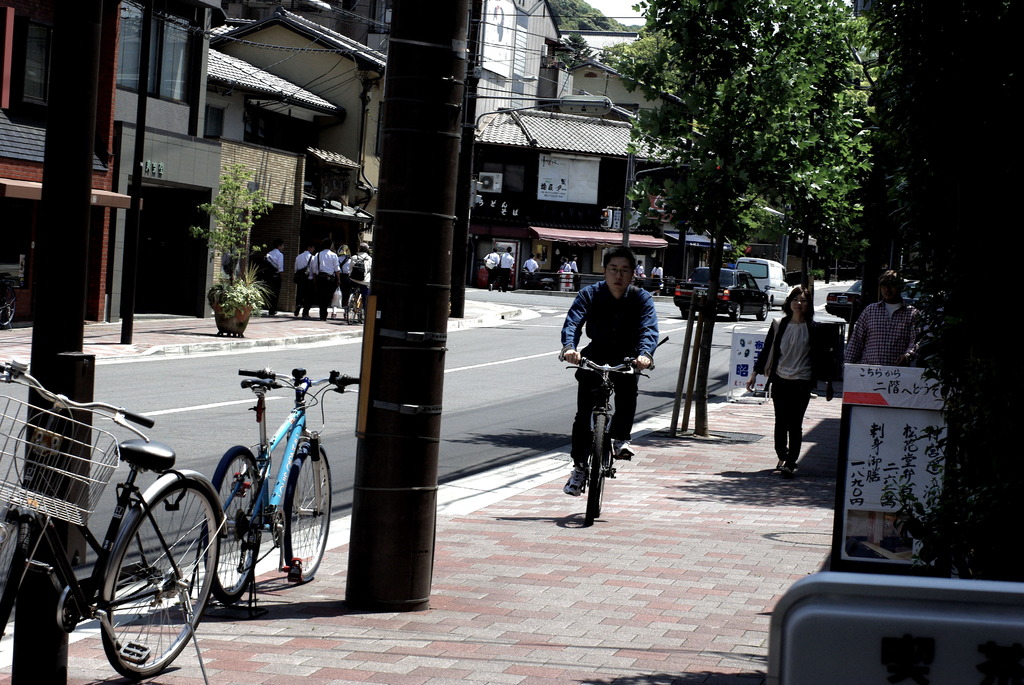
<point x="505" y="266"/>
<point x="275" y="261"/>
<point x="491" y="263"/>
<point x="304" y="293"/>
<point x="531" y="265"/>
<point x="325" y="268"/>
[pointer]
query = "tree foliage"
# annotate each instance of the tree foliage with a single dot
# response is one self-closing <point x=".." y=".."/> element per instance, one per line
<point x="579" y="50"/>
<point x="577" y="15"/>
<point x="760" y="113"/>
<point x="946" y="78"/>
<point x="234" y="210"/>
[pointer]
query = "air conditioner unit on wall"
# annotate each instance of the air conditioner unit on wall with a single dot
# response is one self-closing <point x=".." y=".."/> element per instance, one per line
<point x="490" y="182"/>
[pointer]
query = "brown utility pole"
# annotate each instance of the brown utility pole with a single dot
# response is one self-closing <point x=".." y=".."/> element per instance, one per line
<point x="391" y="551"/>
<point x="40" y="646"/>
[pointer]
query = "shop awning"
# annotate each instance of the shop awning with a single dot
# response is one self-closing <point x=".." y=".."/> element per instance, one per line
<point x="33" y="190"/>
<point x="595" y="238"/>
<point x="336" y="210"/>
<point x="692" y="239"/>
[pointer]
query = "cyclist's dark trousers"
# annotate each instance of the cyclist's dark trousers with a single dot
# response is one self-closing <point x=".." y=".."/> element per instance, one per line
<point x="790" y="398"/>
<point x="622" y="419"/>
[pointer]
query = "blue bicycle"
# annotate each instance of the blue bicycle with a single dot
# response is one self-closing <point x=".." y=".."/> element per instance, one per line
<point x="293" y="509"/>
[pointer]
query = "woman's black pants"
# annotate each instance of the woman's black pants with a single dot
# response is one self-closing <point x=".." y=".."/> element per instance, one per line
<point x="790" y="398"/>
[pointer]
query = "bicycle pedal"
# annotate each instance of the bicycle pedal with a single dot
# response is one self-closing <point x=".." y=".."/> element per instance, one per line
<point x="134" y="653"/>
<point x="295" y="571"/>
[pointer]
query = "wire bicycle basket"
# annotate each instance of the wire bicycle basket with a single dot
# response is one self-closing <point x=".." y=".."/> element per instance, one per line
<point x="53" y="461"/>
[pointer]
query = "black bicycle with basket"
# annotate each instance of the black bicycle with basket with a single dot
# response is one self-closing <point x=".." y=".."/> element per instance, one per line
<point x="157" y="559"/>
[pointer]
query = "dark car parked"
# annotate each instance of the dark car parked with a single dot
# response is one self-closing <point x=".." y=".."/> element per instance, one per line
<point x="844" y="304"/>
<point x="737" y="293"/>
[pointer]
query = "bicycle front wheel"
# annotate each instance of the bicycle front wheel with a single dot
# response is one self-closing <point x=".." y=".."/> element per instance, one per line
<point x="159" y="575"/>
<point x="237" y="483"/>
<point x="307" y="503"/>
<point x="595" y="488"/>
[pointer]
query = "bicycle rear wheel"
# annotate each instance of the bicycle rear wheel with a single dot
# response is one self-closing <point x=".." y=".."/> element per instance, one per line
<point x="595" y="488"/>
<point x="12" y="565"/>
<point x="236" y="481"/>
<point x="8" y="302"/>
<point x="307" y="505"/>
<point x="159" y="575"/>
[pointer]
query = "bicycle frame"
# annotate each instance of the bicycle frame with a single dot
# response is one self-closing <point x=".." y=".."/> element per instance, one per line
<point x="290" y="432"/>
<point x="89" y="607"/>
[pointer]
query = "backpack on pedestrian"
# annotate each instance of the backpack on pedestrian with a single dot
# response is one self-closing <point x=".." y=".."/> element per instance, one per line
<point x="358" y="272"/>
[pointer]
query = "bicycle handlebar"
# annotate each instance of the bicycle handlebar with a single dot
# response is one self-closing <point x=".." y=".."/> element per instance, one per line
<point x="266" y="378"/>
<point x="17" y="372"/>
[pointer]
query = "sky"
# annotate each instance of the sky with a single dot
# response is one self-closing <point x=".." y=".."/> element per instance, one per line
<point x="619" y="9"/>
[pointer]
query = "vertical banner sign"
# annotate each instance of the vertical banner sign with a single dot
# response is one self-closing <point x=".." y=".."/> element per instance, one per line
<point x="890" y="437"/>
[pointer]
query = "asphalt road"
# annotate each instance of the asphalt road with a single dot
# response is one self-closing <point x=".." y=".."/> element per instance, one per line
<point x="506" y="396"/>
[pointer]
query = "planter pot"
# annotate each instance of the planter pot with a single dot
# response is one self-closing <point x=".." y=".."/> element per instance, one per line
<point x="231" y="326"/>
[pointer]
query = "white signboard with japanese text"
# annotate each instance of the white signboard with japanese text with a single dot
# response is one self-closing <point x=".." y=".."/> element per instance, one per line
<point x="867" y="629"/>
<point x="568" y="178"/>
<point x="747" y="345"/>
<point x="890" y="448"/>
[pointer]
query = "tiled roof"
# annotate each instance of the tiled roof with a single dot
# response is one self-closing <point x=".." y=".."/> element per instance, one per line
<point x="28" y="142"/>
<point x="332" y="157"/>
<point x="234" y="72"/>
<point x="366" y="57"/>
<point x="562" y="132"/>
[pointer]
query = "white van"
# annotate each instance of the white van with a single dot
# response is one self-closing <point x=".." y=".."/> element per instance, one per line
<point x="770" y="277"/>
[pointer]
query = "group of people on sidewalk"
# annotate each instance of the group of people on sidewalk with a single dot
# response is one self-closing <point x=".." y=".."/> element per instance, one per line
<point x="324" y="278"/>
<point x="621" y="322"/>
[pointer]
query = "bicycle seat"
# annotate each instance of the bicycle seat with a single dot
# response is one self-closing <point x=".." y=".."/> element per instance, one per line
<point x="151" y="456"/>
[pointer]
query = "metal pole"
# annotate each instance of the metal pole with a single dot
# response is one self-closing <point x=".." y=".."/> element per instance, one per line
<point x="461" y="259"/>
<point x="130" y="264"/>
<point x="391" y="550"/>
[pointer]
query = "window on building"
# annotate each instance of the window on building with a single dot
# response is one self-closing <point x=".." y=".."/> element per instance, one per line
<point x="169" y="52"/>
<point x="214" y="127"/>
<point x="37" y="62"/>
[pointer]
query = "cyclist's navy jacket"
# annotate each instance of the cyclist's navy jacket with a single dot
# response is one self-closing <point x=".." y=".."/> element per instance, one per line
<point x="617" y="328"/>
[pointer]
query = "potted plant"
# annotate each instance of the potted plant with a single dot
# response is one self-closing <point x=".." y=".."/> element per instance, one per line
<point x="237" y="291"/>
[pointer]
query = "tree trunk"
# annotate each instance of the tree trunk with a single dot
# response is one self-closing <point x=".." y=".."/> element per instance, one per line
<point x="700" y="389"/>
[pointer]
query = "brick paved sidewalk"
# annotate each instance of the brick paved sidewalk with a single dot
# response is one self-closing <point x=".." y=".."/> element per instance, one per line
<point x="674" y="585"/>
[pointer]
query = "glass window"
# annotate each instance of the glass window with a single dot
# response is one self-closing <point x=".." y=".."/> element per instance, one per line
<point x="755" y="269"/>
<point x="173" y="78"/>
<point x="37" y="62"/>
<point x="214" y="127"/>
<point x="168" y="53"/>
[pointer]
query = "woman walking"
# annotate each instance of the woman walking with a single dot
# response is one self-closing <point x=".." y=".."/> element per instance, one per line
<point x="797" y="354"/>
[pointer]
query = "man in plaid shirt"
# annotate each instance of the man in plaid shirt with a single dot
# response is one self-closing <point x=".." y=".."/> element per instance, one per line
<point x="887" y="331"/>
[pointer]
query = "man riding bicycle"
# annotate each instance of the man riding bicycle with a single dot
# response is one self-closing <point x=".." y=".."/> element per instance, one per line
<point x="621" y="323"/>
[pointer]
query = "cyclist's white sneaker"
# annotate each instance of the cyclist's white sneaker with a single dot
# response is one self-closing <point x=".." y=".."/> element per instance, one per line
<point x="574" y="486"/>
<point x="621" y="449"/>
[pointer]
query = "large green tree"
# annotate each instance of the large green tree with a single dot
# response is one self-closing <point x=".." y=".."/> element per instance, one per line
<point x="760" y="112"/>
<point x="948" y="77"/>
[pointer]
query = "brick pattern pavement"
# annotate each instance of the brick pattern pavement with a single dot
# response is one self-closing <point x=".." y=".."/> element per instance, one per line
<point x="675" y="584"/>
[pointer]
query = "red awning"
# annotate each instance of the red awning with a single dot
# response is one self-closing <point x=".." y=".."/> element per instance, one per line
<point x="595" y="238"/>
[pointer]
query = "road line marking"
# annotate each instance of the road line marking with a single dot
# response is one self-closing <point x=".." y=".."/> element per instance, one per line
<point x="199" y="407"/>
